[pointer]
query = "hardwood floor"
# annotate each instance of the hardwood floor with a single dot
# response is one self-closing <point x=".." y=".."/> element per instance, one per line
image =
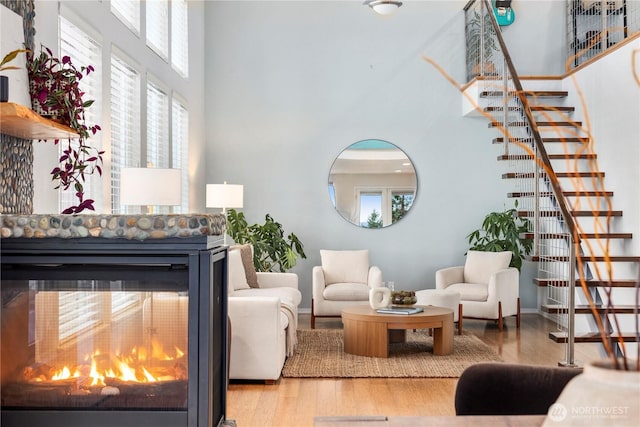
<point x="295" y="402"/>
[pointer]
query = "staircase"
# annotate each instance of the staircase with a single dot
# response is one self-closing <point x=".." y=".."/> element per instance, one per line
<point x="590" y="206"/>
<point x="550" y="163"/>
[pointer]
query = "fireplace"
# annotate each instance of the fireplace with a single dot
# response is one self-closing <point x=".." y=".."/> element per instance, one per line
<point x="113" y="332"/>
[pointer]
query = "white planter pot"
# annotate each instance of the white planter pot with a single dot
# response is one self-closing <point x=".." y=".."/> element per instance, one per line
<point x="600" y="396"/>
<point x="42" y="109"/>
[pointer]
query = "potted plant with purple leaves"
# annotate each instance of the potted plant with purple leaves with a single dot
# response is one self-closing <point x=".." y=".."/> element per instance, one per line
<point x="54" y="87"/>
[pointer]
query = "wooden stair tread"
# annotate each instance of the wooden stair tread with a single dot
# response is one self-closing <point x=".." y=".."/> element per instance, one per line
<point x="561" y="337"/>
<point x="552" y="108"/>
<point x="540" y="124"/>
<point x="565" y="193"/>
<point x="586" y="258"/>
<point x="535" y="108"/>
<point x="577" y="156"/>
<point x="534" y="93"/>
<point x="589" y="174"/>
<point x="586" y="213"/>
<point x="612" y="258"/>
<point x="623" y="283"/>
<point x="579" y="139"/>
<point x="583" y="236"/>
<point x="585" y="309"/>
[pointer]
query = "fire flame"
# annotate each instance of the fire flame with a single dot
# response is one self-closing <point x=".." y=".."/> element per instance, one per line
<point x="122" y="367"/>
<point x="64" y="374"/>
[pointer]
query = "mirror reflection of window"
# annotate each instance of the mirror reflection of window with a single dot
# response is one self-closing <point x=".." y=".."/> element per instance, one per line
<point x="371" y="209"/>
<point x="401" y="202"/>
<point x="332" y="194"/>
<point x="372" y="184"/>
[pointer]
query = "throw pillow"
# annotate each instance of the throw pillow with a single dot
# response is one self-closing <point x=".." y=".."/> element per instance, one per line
<point x="479" y="265"/>
<point x="236" y="276"/>
<point x="345" y="266"/>
<point x="246" y="253"/>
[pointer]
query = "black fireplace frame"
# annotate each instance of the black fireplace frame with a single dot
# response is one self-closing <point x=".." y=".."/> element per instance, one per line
<point x="205" y="259"/>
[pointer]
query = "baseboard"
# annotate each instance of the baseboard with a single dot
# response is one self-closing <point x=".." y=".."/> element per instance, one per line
<point x="304" y="310"/>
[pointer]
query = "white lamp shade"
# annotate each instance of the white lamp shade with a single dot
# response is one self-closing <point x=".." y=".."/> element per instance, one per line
<point x="150" y="187"/>
<point x="225" y="196"/>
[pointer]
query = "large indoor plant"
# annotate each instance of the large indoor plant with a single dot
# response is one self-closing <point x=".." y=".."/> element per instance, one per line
<point x="271" y="250"/>
<point x="503" y="231"/>
<point x="54" y="87"/>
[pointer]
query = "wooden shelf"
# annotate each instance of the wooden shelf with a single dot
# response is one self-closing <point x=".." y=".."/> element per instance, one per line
<point x="20" y="121"/>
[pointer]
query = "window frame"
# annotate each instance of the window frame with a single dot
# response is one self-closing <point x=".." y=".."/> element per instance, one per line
<point x="386" y="194"/>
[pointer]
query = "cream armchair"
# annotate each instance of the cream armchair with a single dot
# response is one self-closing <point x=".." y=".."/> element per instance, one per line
<point x="488" y="287"/>
<point x="344" y="279"/>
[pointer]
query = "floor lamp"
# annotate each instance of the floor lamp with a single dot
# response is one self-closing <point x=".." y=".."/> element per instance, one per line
<point x="225" y="196"/>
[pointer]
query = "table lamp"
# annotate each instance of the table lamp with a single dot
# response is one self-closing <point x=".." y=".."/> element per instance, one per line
<point x="150" y="187"/>
<point x="225" y="196"/>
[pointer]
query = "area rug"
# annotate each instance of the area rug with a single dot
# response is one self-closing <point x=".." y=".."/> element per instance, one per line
<point x="320" y="355"/>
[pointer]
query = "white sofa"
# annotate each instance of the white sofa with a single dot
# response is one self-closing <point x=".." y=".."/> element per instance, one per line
<point x="263" y="317"/>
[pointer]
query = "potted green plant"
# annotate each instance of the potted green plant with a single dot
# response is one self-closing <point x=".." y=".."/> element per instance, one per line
<point x="503" y="231"/>
<point x="271" y="250"/>
<point x="4" y="80"/>
<point x="54" y="86"/>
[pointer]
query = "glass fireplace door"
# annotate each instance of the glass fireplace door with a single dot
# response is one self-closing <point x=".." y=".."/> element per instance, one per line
<point x="95" y="336"/>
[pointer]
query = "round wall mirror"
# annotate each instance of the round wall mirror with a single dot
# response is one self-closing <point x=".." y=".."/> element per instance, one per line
<point x="372" y="183"/>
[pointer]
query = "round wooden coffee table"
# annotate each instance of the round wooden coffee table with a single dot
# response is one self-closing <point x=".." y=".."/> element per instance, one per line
<point x="368" y="333"/>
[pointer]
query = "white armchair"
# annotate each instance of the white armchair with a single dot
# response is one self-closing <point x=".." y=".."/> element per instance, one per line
<point x="343" y="280"/>
<point x="488" y="287"/>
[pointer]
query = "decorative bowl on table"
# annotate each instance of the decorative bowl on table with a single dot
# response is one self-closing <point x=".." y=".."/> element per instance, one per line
<point x="403" y="298"/>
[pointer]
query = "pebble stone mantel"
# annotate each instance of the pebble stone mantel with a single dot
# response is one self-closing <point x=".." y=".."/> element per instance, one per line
<point x="131" y="227"/>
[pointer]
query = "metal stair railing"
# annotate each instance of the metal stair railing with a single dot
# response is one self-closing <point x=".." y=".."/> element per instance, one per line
<point x="489" y="62"/>
<point x="596" y="26"/>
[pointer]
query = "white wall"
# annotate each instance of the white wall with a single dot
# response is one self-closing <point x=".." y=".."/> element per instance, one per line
<point x="536" y="39"/>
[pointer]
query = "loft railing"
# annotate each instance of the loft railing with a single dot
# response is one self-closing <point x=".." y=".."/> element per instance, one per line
<point x="593" y="26"/>
<point x="538" y="190"/>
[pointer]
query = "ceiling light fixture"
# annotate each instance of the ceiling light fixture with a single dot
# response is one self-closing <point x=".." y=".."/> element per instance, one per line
<point x="383" y="7"/>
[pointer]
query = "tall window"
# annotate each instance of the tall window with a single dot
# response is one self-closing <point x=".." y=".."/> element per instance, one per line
<point x="158" y="27"/>
<point x="180" y="149"/>
<point x="155" y="136"/>
<point x="157" y="127"/>
<point x="179" y="37"/>
<point x="125" y="126"/>
<point x="158" y="154"/>
<point x="83" y="51"/>
<point x="127" y="11"/>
